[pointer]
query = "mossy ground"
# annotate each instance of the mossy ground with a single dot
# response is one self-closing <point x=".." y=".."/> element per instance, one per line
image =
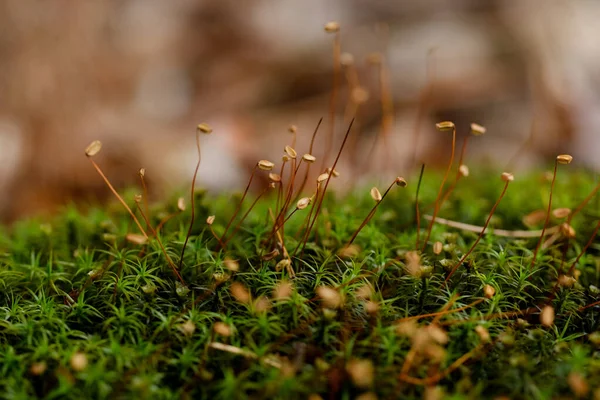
<point x="74" y="285"/>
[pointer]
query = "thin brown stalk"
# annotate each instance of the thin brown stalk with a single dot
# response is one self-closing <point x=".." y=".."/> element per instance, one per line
<point x="162" y="247"/>
<point x="588" y="306"/>
<point x="337" y="50"/>
<point x="537" y="247"/>
<point x="449" y="304"/>
<point x="276" y="227"/>
<point x="561" y="159"/>
<point x="286" y="255"/>
<point x="239" y="224"/>
<point x="417" y="212"/>
<point x="192" y="201"/>
<point x="286" y="219"/>
<point x="112" y="189"/>
<point x="310" y="213"/>
<point x="212" y="231"/>
<point x="583" y="204"/>
<point x="320" y="201"/>
<point x="371" y="213"/>
<point x="290" y="188"/>
<point x="499" y="315"/>
<point x="587" y="245"/>
<point x="281" y="207"/>
<point x="442" y="313"/>
<point x="165" y="220"/>
<point x="239" y="206"/>
<point x="284" y="250"/>
<point x="458" y="174"/>
<point x="280" y="188"/>
<point x="310" y="151"/>
<point x="569" y="219"/>
<point x="487" y="221"/>
<point x="281" y="217"/>
<point x="285" y="207"/>
<point x="408" y="362"/>
<point x="145" y="192"/>
<point x="437" y="200"/>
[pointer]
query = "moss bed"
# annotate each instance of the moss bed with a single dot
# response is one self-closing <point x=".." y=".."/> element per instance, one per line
<point x="88" y="311"/>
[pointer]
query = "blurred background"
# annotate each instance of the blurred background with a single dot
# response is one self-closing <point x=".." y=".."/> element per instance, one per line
<point x="139" y="75"/>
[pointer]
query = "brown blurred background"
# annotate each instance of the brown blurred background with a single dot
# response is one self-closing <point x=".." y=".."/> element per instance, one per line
<point x="139" y="75"/>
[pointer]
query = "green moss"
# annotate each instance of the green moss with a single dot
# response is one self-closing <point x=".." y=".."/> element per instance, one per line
<point x="75" y="285"/>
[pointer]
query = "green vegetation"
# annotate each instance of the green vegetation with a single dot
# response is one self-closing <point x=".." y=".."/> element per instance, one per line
<point x="90" y="308"/>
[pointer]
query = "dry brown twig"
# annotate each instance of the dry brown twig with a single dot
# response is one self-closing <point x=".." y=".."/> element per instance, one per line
<point x="498" y="232"/>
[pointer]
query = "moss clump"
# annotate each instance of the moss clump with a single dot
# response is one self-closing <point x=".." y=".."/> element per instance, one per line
<point x="86" y="313"/>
